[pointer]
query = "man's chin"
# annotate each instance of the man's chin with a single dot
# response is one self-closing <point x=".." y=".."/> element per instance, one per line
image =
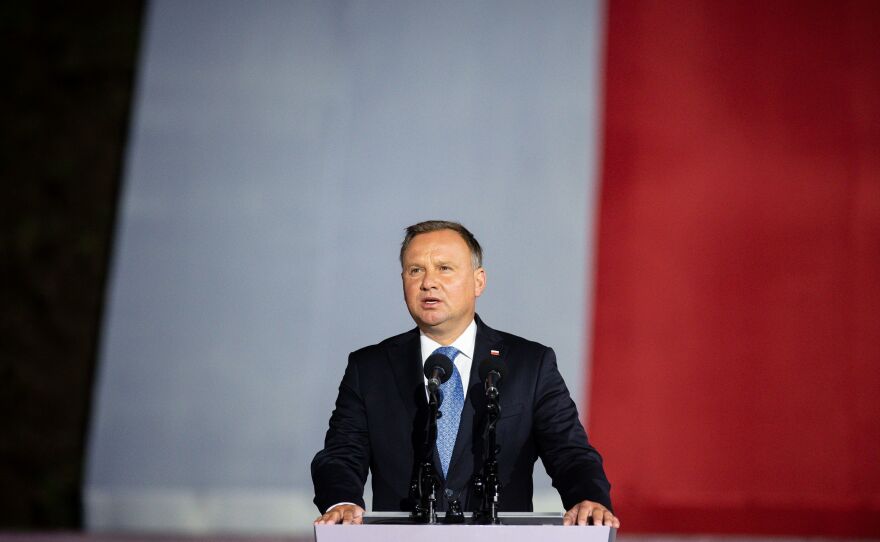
<point x="428" y="319"/>
<point x="431" y="324"/>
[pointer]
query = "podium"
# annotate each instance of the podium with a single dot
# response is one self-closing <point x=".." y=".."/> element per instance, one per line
<point x="514" y="527"/>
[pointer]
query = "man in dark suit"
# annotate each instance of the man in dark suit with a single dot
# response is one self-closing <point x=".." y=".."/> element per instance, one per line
<point x="380" y="414"/>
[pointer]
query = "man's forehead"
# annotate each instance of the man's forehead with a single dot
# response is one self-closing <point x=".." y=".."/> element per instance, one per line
<point x="440" y="243"/>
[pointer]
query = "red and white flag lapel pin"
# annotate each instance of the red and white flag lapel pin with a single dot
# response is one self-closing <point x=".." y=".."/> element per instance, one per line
<point x="494" y="353"/>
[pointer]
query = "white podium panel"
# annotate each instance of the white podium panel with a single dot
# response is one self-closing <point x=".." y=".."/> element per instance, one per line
<point x="519" y="527"/>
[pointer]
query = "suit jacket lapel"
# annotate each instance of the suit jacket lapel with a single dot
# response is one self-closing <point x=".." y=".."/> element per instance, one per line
<point x="405" y="360"/>
<point x="461" y="465"/>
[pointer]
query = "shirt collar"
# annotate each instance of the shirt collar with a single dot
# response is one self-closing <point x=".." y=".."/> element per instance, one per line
<point x="465" y="342"/>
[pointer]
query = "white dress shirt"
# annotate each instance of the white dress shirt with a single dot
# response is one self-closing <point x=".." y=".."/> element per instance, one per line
<point x="465" y="344"/>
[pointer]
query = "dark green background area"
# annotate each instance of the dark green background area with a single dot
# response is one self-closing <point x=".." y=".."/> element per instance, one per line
<point x="68" y="75"/>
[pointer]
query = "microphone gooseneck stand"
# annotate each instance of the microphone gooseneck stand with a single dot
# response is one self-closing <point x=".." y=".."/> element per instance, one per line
<point x="487" y="485"/>
<point x="423" y="487"/>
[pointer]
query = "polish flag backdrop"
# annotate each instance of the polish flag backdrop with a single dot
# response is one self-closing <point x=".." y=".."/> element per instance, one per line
<point x="728" y="240"/>
<point x="735" y="383"/>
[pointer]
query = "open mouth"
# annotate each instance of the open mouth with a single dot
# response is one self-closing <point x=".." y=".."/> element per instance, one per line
<point x="430" y="302"/>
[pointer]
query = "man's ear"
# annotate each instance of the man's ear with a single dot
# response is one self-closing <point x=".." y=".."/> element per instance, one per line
<point x="479" y="281"/>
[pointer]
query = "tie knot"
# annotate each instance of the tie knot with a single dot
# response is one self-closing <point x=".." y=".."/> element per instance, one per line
<point x="448" y="351"/>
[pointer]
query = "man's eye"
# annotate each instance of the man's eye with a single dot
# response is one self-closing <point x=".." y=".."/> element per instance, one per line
<point x="414" y="271"/>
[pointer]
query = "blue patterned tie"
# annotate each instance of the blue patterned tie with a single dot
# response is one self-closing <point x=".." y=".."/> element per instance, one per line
<point x="453" y="400"/>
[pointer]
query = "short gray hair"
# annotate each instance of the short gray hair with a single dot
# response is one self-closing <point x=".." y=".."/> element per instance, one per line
<point x="429" y="226"/>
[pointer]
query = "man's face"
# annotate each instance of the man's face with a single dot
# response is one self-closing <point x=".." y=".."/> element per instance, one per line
<point x="440" y="285"/>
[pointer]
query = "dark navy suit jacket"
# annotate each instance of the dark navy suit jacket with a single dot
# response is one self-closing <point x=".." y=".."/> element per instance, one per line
<point x="379" y="424"/>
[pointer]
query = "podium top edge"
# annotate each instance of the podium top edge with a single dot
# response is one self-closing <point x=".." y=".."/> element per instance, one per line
<point x="523" y="515"/>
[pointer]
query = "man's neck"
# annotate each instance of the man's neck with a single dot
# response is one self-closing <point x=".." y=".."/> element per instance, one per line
<point x="445" y="338"/>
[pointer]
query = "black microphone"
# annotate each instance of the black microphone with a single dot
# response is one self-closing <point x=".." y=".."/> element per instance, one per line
<point x="491" y="372"/>
<point x="438" y="369"/>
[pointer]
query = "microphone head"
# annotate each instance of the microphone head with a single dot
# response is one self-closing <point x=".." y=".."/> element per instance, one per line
<point x="491" y="364"/>
<point x="440" y="361"/>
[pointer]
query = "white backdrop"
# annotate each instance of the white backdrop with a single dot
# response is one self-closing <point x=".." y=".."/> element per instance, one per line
<point x="277" y="151"/>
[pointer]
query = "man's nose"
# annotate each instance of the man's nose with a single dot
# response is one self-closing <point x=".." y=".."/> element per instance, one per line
<point x="428" y="280"/>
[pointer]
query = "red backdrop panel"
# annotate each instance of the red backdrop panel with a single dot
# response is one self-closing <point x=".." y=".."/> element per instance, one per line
<point x="735" y="382"/>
